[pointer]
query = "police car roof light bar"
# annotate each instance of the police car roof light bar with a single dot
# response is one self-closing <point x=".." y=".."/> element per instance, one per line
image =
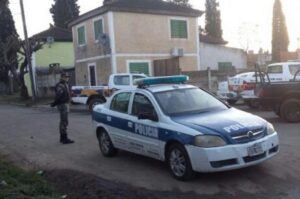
<point x="176" y="79"/>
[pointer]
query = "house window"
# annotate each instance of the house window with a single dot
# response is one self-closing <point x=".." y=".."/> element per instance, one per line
<point x="179" y="29"/>
<point x="139" y="67"/>
<point x="225" y="66"/>
<point x="98" y="28"/>
<point x="81" y="35"/>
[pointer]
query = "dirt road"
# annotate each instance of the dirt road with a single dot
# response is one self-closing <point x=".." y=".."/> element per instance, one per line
<point x="30" y="135"/>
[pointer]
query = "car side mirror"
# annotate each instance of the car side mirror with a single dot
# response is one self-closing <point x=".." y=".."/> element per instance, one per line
<point x="148" y="116"/>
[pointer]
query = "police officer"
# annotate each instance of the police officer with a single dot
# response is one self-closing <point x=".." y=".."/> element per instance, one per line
<point x="62" y="99"/>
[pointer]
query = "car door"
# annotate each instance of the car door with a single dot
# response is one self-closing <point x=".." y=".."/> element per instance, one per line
<point x="117" y="119"/>
<point x="144" y="135"/>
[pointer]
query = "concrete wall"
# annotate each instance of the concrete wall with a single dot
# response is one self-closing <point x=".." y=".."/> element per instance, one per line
<point x="211" y="55"/>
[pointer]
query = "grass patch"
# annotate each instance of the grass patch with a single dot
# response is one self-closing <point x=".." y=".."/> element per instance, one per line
<point x="15" y="183"/>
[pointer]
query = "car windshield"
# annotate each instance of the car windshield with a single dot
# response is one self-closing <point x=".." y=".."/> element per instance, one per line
<point x="187" y="101"/>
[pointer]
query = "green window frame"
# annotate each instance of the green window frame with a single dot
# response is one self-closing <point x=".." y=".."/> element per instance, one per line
<point x="98" y="28"/>
<point x="139" y="67"/>
<point x="81" y="35"/>
<point x="179" y="29"/>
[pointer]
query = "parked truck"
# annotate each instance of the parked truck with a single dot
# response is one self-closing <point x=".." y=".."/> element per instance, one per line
<point x="93" y="95"/>
<point x="282" y="96"/>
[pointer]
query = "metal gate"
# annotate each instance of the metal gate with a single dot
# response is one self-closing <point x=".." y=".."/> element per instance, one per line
<point x="165" y="67"/>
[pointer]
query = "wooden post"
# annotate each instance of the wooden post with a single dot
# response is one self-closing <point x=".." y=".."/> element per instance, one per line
<point x="209" y="78"/>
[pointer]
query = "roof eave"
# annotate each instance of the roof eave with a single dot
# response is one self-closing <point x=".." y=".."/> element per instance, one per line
<point x="104" y="9"/>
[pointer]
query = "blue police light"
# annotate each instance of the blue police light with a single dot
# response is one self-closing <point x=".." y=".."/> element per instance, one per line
<point x="176" y="79"/>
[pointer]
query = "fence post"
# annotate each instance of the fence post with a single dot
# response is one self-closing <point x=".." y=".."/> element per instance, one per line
<point x="209" y="78"/>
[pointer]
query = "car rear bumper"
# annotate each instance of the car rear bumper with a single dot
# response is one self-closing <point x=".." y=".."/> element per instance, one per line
<point x="231" y="156"/>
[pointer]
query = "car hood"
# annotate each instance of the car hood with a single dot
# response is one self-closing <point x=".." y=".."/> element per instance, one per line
<point x="225" y="123"/>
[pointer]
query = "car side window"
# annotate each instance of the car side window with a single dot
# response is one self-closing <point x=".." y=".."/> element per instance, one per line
<point x="120" y="102"/>
<point x="121" y="80"/>
<point x="275" y="69"/>
<point x="141" y="104"/>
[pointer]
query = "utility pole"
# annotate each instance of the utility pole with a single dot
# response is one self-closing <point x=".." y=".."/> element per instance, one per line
<point x="28" y="48"/>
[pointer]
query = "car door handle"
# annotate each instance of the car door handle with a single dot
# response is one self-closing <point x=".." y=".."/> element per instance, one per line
<point x="108" y="118"/>
<point x="130" y="124"/>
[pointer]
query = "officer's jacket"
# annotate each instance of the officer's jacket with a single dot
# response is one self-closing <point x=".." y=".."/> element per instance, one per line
<point x="62" y="93"/>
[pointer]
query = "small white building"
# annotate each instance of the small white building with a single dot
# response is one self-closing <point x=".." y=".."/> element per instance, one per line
<point x="217" y="56"/>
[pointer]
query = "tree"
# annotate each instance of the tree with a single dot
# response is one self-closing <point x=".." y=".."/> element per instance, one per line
<point x="63" y="11"/>
<point x="35" y="45"/>
<point x="213" y="20"/>
<point x="181" y="2"/>
<point x="9" y="44"/>
<point x="280" y="38"/>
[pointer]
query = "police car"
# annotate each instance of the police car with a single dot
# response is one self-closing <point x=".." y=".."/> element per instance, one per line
<point x="185" y="126"/>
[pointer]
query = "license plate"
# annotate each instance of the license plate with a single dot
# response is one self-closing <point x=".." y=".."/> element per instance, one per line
<point x="255" y="149"/>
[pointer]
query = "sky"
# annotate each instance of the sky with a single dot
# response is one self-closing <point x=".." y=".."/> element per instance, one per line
<point x="246" y="24"/>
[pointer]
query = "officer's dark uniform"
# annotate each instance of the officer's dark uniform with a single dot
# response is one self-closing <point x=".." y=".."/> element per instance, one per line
<point x="62" y="99"/>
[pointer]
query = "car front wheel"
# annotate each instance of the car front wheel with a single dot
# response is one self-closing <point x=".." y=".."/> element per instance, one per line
<point x="179" y="163"/>
<point x="105" y="144"/>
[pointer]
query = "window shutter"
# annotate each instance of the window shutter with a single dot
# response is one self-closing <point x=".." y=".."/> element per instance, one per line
<point x="98" y="28"/>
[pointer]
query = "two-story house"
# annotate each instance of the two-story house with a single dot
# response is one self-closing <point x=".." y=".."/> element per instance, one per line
<point x="148" y="36"/>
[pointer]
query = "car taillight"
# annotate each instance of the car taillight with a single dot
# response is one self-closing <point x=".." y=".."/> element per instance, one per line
<point x="72" y="93"/>
<point x="248" y="86"/>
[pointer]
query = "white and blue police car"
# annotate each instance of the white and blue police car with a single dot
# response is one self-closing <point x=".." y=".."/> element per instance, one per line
<point x="185" y="126"/>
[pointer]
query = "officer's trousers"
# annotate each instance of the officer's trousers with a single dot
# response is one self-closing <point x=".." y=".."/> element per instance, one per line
<point x="63" y="124"/>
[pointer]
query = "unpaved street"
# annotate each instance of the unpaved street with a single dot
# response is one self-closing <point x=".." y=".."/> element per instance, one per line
<point x="30" y="136"/>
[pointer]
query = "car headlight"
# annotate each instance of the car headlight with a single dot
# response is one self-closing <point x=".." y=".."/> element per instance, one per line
<point x="270" y="129"/>
<point x="208" y="141"/>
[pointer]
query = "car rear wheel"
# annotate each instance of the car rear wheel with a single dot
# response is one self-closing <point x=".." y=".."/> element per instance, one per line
<point x="106" y="146"/>
<point x="290" y="110"/>
<point x="94" y="102"/>
<point x="179" y="163"/>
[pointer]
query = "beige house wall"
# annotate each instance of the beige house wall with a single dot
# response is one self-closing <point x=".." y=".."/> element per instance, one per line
<point x="103" y="70"/>
<point x="92" y="48"/>
<point x="137" y="37"/>
<point x="186" y="63"/>
<point x="147" y="33"/>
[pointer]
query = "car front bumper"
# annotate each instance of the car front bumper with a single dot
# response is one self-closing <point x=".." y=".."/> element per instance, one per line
<point x="231" y="157"/>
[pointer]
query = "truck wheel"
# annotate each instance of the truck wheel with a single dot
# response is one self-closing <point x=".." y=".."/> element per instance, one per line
<point x="179" y="163"/>
<point x="253" y="103"/>
<point x="290" y="110"/>
<point x="94" y="102"/>
<point x="106" y="146"/>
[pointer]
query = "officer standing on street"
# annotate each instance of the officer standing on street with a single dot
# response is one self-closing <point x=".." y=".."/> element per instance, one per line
<point x="62" y="100"/>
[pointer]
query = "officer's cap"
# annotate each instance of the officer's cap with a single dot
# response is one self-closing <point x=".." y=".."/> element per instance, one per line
<point x="65" y="74"/>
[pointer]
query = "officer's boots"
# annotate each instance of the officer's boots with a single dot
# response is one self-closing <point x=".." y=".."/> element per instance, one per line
<point x="65" y="140"/>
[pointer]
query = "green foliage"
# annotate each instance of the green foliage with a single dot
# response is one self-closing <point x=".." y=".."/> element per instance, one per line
<point x="280" y="38"/>
<point x="213" y="20"/>
<point x="8" y="42"/>
<point x="180" y="2"/>
<point x="63" y="11"/>
<point x="20" y="184"/>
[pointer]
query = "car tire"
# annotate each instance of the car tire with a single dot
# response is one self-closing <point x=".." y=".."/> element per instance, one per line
<point x="179" y="163"/>
<point x="254" y="104"/>
<point x="290" y="110"/>
<point x="106" y="146"/>
<point x="232" y="101"/>
<point x="94" y="102"/>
